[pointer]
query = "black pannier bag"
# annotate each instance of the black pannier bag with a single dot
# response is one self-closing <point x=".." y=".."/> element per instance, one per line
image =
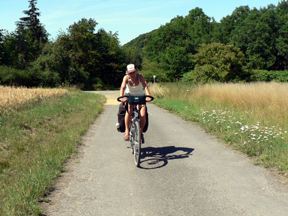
<point x="121" y="118"/>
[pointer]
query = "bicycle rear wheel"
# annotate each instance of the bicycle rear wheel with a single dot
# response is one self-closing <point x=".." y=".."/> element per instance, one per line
<point x="137" y="143"/>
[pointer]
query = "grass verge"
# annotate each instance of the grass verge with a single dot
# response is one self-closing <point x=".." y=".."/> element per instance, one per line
<point x="256" y="128"/>
<point x="36" y="142"/>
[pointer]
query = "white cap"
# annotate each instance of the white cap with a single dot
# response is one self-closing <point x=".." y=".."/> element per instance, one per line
<point x="131" y="68"/>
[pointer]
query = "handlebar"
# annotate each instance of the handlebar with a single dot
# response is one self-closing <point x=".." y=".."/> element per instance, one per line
<point x="127" y="96"/>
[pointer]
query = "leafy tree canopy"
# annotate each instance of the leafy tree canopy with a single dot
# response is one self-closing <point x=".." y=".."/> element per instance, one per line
<point x="217" y="62"/>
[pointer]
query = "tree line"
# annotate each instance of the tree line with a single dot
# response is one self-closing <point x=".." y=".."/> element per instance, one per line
<point x="81" y="56"/>
<point x="249" y="44"/>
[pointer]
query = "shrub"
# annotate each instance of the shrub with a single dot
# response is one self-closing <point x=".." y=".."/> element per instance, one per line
<point x="218" y="62"/>
<point x="265" y="75"/>
<point x="30" y="77"/>
<point x="149" y="69"/>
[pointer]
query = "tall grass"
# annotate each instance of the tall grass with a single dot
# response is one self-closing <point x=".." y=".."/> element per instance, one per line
<point x="11" y="97"/>
<point x="265" y="100"/>
<point x="250" y="117"/>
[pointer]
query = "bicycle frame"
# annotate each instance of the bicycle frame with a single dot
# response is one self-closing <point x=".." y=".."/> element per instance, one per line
<point x="134" y="117"/>
<point x="135" y="130"/>
<point x="135" y="135"/>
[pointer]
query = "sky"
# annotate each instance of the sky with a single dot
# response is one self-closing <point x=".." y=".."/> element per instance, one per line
<point x="129" y="18"/>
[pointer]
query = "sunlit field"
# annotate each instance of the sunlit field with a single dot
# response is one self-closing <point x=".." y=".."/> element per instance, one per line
<point x="264" y="100"/>
<point x="251" y="117"/>
<point x="15" y="97"/>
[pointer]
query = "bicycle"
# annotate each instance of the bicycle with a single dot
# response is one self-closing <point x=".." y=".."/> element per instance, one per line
<point x="135" y="130"/>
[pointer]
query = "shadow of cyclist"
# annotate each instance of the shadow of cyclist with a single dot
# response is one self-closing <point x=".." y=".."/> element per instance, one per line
<point x="153" y="158"/>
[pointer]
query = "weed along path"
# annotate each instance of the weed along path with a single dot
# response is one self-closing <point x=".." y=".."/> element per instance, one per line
<point x="184" y="171"/>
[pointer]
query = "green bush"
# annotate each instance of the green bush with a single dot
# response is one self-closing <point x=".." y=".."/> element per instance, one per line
<point x="7" y="75"/>
<point x="29" y="77"/>
<point x="149" y="69"/>
<point x="217" y="62"/>
<point x="266" y="76"/>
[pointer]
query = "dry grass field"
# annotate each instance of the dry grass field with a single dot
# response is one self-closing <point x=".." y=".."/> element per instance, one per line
<point x="273" y="97"/>
<point x="15" y="97"/>
<point x="264" y="100"/>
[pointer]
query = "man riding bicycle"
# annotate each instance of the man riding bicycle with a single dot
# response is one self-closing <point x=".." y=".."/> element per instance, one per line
<point x="134" y="83"/>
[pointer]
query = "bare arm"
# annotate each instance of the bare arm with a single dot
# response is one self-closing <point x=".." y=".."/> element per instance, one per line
<point x="145" y="86"/>
<point x="122" y="88"/>
<point x="123" y="85"/>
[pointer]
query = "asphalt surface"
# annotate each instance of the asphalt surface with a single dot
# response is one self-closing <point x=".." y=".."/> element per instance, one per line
<point x="184" y="171"/>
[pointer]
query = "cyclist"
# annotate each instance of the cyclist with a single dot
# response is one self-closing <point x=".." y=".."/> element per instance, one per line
<point x="134" y="83"/>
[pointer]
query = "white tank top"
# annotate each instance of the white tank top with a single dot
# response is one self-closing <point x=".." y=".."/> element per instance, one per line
<point x="134" y="89"/>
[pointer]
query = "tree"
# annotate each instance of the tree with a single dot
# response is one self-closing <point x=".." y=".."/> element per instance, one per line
<point x="30" y="34"/>
<point x="223" y="32"/>
<point x="172" y="34"/>
<point x="175" y="61"/>
<point x="199" y="28"/>
<point x="172" y="44"/>
<point x="85" y="57"/>
<point x="32" y="23"/>
<point x="217" y="62"/>
<point x="282" y="39"/>
<point x="9" y="53"/>
<point x="133" y="55"/>
<point x="112" y="59"/>
<point x="256" y="36"/>
<point x="1" y="45"/>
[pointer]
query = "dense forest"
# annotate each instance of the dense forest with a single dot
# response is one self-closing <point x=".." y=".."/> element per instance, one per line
<point x="81" y="56"/>
<point x="248" y="45"/>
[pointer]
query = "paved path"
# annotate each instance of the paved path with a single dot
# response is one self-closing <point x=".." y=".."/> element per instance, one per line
<point x="184" y="171"/>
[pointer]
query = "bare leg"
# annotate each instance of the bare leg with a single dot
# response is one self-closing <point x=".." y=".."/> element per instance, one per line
<point x="127" y="122"/>
<point x="142" y="118"/>
<point x="128" y="119"/>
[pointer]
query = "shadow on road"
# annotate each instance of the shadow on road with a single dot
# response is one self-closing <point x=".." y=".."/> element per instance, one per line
<point x="154" y="158"/>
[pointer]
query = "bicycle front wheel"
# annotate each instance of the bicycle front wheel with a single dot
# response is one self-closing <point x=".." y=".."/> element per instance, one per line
<point x="137" y="143"/>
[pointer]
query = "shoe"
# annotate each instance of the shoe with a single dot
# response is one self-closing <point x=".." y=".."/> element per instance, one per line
<point x="142" y="138"/>
<point x="126" y="136"/>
